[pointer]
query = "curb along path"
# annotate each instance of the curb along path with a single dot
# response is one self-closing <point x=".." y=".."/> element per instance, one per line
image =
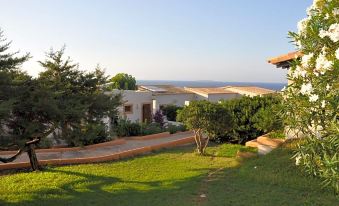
<point x="114" y="150"/>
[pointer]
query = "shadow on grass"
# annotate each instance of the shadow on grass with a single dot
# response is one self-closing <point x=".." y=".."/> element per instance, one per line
<point x="268" y="180"/>
<point x="95" y="190"/>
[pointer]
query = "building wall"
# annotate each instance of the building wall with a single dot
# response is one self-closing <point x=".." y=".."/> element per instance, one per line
<point x="136" y="99"/>
<point x="176" y="99"/>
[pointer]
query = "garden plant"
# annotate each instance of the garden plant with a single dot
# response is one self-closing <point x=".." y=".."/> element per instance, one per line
<point x="312" y="99"/>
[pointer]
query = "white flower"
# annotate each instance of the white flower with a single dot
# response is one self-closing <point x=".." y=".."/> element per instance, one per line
<point x="333" y="32"/>
<point x="297" y="160"/>
<point x="322" y="64"/>
<point x="327" y="16"/>
<point x="302" y="25"/>
<point x="314" y="98"/>
<point x="328" y="87"/>
<point x="337" y="54"/>
<point x="323" y="33"/>
<point x="323" y="104"/>
<point x="306" y="88"/>
<point x="335" y="11"/>
<point x="306" y="59"/>
<point x="299" y="72"/>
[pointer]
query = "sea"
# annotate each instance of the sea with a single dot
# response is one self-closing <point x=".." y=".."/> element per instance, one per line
<point x="273" y="86"/>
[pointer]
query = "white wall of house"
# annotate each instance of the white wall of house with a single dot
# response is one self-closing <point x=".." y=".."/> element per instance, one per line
<point x="176" y="99"/>
<point x="173" y="99"/>
<point x="135" y="99"/>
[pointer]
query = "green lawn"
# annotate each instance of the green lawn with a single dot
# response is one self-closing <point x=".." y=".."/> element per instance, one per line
<point x="170" y="177"/>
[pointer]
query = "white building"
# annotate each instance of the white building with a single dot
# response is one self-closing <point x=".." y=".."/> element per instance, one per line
<point x="139" y="105"/>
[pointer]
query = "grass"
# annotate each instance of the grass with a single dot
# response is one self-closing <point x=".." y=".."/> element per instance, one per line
<point x="170" y="177"/>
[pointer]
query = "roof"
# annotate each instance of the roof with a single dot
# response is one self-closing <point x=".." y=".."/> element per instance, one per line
<point x="250" y="89"/>
<point x="209" y="90"/>
<point x="163" y="89"/>
<point x="284" y="60"/>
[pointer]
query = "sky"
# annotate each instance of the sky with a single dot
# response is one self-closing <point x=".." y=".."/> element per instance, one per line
<point x="220" y="40"/>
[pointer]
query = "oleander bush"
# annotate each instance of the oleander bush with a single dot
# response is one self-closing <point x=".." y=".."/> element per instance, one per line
<point x="312" y="99"/>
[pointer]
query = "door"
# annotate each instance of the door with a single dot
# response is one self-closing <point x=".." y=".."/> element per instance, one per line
<point x="146" y="113"/>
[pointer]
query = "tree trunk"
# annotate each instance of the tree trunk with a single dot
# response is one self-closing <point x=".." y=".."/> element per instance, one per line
<point x="33" y="158"/>
<point x="206" y="143"/>
<point x="200" y="146"/>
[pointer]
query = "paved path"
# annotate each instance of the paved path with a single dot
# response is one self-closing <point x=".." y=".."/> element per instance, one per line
<point x="104" y="150"/>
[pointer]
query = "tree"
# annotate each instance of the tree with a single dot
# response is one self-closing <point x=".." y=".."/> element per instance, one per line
<point x="312" y="100"/>
<point x="25" y="116"/>
<point x="205" y="118"/>
<point x="123" y="81"/>
<point x="62" y="98"/>
<point x="80" y="97"/>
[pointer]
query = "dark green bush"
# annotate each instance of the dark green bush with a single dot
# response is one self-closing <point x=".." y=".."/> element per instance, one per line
<point x="170" y="111"/>
<point x="125" y="128"/>
<point x="176" y="128"/>
<point x="152" y="128"/>
<point x="90" y="134"/>
<point x="253" y="116"/>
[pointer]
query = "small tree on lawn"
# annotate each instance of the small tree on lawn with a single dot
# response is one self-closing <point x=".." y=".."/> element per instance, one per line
<point x="312" y="100"/>
<point x="205" y="118"/>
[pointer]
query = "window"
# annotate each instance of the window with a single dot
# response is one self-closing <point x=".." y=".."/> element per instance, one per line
<point x="128" y="109"/>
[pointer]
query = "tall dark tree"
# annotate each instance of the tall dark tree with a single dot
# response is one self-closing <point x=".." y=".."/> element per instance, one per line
<point x="26" y="108"/>
<point x="80" y="97"/>
<point x="63" y="98"/>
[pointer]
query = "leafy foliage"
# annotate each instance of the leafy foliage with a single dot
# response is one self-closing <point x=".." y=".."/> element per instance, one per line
<point x="27" y="109"/>
<point x="206" y="118"/>
<point x="123" y="81"/>
<point x="170" y="111"/>
<point x="80" y="99"/>
<point x="158" y="118"/>
<point x="126" y="128"/>
<point x="312" y="99"/>
<point x="176" y="128"/>
<point x="253" y="116"/>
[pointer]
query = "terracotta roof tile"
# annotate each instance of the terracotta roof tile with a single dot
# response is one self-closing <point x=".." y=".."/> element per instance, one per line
<point x="286" y="57"/>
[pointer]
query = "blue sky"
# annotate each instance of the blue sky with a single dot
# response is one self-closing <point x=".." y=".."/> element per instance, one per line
<point x="222" y="40"/>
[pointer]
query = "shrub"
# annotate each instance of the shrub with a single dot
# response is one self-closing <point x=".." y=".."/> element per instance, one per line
<point x="176" y="128"/>
<point x="170" y="111"/>
<point x="159" y="118"/>
<point x="89" y="134"/>
<point x="312" y="99"/>
<point x="153" y="128"/>
<point x="125" y="128"/>
<point x="253" y="116"/>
